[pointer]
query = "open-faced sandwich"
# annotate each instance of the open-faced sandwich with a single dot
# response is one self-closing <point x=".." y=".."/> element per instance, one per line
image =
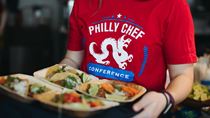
<point x="24" y="85"/>
<point x="64" y="76"/>
<point x="36" y="88"/>
<point x="72" y="100"/>
<point x="112" y="90"/>
<point x="16" y="84"/>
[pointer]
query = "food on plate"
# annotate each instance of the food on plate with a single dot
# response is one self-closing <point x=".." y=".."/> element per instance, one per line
<point x="24" y="85"/>
<point x="56" y="69"/>
<point x="65" y="76"/>
<point x="200" y="92"/>
<point x="73" y="100"/>
<point x="37" y="89"/>
<point x="16" y="84"/>
<point x="32" y="88"/>
<point x="112" y="90"/>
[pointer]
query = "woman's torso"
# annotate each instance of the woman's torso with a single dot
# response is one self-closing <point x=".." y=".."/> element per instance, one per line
<point x="123" y="40"/>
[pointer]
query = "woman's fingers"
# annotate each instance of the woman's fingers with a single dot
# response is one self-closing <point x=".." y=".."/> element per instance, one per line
<point x="140" y="105"/>
<point x="146" y="113"/>
<point x="150" y="105"/>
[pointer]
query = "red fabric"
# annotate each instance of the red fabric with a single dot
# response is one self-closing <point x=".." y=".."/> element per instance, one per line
<point x="156" y="33"/>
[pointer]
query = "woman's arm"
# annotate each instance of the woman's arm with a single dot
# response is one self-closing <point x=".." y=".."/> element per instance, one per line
<point x="153" y="103"/>
<point x="181" y="81"/>
<point x="73" y="58"/>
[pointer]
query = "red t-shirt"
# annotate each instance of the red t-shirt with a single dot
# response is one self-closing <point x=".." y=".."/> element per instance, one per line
<point x="132" y="40"/>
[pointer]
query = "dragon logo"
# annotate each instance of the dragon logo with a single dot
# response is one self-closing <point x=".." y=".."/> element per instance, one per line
<point x="119" y="54"/>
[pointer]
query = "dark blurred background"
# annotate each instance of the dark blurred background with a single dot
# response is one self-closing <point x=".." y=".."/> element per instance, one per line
<point x="34" y="36"/>
<point x="35" y="33"/>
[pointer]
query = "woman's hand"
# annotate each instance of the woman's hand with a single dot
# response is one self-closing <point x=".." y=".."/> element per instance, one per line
<point x="151" y="104"/>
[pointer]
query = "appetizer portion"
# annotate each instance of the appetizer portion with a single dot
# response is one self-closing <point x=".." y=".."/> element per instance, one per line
<point x="112" y="90"/>
<point x="36" y="88"/>
<point x="25" y="85"/>
<point x="199" y="92"/>
<point x="64" y="76"/>
<point x="16" y="84"/>
<point x="74" y="101"/>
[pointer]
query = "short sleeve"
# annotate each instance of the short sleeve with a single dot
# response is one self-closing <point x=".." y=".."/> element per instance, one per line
<point x="179" y="43"/>
<point x="74" y="34"/>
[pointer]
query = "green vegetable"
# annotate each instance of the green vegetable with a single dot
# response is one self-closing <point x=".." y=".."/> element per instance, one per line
<point x="88" y="98"/>
<point x="72" y="78"/>
<point x="79" y="106"/>
<point x="93" y="90"/>
<point x="70" y="82"/>
<point x="118" y="87"/>
<point x="36" y="89"/>
<point x="10" y="81"/>
<point x="84" y="78"/>
<point x="115" y="97"/>
<point x="67" y="84"/>
<point x="62" y="69"/>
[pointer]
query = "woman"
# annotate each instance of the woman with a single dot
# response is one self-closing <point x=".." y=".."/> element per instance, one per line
<point x="136" y="41"/>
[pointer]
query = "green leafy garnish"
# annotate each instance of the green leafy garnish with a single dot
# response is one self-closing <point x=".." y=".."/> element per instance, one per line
<point x="85" y="78"/>
<point x="37" y="89"/>
<point x="118" y="87"/>
<point x="70" y="82"/>
<point x="93" y="90"/>
<point x="10" y="81"/>
<point x="115" y="97"/>
<point x="88" y="98"/>
<point x="62" y="69"/>
<point x="79" y="106"/>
